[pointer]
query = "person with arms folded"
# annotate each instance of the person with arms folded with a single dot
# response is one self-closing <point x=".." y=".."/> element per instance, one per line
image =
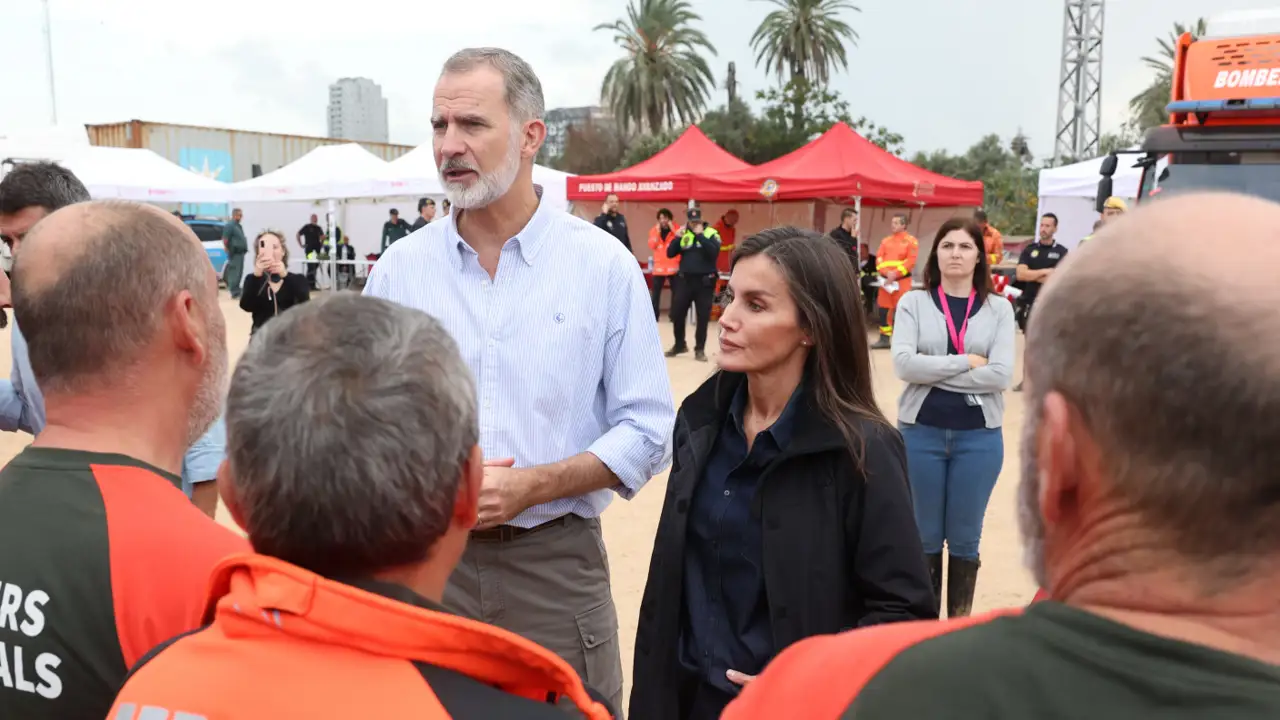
<point x="104" y="557"/>
<point x="575" y="404"/>
<point x="787" y="512"/>
<point x="28" y="193"/>
<point x="953" y="346"/>
<point x="356" y="528"/>
<point x="1158" y="540"/>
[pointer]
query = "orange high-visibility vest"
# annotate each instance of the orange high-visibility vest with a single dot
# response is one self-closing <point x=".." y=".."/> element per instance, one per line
<point x="663" y="265"/>
<point x="285" y="642"/>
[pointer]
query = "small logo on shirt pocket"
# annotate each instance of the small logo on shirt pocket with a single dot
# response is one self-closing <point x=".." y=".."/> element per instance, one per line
<point x="559" y="318"/>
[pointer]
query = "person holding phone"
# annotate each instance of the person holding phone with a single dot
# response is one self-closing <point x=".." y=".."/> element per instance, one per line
<point x="271" y="288"/>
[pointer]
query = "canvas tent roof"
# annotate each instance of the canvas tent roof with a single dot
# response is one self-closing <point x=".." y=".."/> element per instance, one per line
<point x="678" y="172"/>
<point x="841" y="164"/>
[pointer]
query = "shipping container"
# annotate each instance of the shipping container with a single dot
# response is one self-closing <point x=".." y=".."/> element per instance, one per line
<point x="222" y="154"/>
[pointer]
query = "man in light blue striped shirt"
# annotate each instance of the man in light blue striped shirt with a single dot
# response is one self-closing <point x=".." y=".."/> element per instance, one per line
<point x="553" y="318"/>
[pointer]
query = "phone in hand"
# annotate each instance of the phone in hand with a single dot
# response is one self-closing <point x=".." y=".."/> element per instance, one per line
<point x="262" y="246"/>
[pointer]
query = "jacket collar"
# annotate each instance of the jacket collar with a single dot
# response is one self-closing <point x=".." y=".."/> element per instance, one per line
<point x="259" y="596"/>
<point x="711" y="405"/>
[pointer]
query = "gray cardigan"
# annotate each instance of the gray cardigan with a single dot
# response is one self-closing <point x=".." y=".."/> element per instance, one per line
<point x="920" y="356"/>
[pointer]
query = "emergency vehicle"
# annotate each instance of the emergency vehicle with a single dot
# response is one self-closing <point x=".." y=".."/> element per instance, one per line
<point x="1224" y="125"/>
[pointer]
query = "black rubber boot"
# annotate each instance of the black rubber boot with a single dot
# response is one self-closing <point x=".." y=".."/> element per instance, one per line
<point x="883" y="343"/>
<point x="962" y="578"/>
<point x="935" y="577"/>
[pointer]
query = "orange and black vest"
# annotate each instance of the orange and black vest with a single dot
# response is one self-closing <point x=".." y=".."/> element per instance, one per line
<point x="286" y="643"/>
<point x="102" y="558"/>
<point x="1050" y="660"/>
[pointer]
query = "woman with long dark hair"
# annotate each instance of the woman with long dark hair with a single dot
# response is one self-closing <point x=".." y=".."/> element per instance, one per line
<point x="788" y="512"/>
<point x="953" y="344"/>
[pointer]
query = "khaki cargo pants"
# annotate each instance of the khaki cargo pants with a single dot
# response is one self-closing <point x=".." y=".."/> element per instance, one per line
<point x="550" y="585"/>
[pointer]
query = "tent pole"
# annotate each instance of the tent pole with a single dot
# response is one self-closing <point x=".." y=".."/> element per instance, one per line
<point x="857" y="209"/>
<point x="333" y="245"/>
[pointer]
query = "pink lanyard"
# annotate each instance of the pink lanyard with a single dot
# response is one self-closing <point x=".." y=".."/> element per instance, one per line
<point x="957" y="338"/>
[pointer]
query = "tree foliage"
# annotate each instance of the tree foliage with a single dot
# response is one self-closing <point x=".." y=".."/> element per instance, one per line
<point x="804" y="40"/>
<point x="1008" y="173"/>
<point x="1148" y="106"/>
<point x="663" y="79"/>
<point x="591" y="148"/>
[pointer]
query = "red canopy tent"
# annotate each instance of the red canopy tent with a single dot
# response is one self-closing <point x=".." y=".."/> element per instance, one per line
<point x="677" y="173"/>
<point x="842" y="165"/>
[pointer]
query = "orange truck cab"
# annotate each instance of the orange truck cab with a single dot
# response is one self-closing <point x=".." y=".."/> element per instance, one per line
<point x="1224" y="116"/>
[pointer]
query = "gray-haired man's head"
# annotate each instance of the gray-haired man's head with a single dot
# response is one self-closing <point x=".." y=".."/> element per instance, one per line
<point x="351" y="438"/>
<point x="487" y="117"/>
<point x="1154" y="399"/>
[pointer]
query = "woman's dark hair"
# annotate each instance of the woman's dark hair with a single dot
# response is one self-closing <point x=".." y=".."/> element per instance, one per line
<point x="828" y="298"/>
<point x="981" y="273"/>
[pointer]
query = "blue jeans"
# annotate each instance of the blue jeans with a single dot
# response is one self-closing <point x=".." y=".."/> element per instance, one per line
<point x="952" y="475"/>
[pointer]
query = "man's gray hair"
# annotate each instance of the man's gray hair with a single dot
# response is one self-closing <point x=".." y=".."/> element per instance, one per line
<point x="92" y="316"/>
<point x="349" y="420"/>
<point x="523" y="89"/>
<point x="1178" y="384"/>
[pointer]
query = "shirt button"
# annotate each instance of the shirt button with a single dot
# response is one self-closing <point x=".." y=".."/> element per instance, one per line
<point x="726" y="493"/>
<point x="591" y="639"/>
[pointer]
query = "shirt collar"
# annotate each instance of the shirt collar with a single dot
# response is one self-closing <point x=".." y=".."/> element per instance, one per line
<point x="528" y="241"/>
<point x="392" y="591"/>
<point x="782" y="428"/>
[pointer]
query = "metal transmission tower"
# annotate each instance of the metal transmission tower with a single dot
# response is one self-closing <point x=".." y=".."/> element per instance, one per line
<point x="1080" y="83"/>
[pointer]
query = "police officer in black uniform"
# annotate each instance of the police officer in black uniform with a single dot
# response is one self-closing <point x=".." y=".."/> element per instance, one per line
<point x="613" y="222"/>
<point x="698" y="248"/>
<point x="1035" y="266"/>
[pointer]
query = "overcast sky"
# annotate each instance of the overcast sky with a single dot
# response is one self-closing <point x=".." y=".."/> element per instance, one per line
<point x="940" y="72"/>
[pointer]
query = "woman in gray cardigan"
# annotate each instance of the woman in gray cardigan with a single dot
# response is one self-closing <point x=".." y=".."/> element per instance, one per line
<point x="953" y="344"/>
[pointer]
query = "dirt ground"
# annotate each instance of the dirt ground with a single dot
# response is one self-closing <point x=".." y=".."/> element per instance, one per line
<point x="629" y="526"/>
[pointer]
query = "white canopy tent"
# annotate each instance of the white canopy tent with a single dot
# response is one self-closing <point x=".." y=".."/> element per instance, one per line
<point x="329" y="172"/>
<point x="50" y="143"/>
<point x="138" y="174"/>
<point x="1070" y="191"/>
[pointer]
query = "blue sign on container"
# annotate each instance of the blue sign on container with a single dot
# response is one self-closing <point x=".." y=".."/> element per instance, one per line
<point x="214" y="164"/>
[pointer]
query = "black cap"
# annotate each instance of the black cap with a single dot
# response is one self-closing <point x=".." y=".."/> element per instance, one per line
<point x="695" y="215"/>
<point x="395" y="211"/>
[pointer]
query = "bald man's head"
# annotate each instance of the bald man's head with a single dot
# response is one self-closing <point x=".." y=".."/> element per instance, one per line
<point x="1153" y="364"/>
<point x="100" y="283"/>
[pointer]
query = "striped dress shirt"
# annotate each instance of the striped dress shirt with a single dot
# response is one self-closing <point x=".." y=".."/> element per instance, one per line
<point x="562" y="343"/>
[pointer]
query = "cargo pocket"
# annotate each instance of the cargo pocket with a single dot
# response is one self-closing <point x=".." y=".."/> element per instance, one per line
<point x="598" y="629"/>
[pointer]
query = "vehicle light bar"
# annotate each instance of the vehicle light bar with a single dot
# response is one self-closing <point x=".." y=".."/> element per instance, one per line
<point x="1206" y="106"/>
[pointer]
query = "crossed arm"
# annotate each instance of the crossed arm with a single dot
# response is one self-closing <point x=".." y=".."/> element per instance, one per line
<point x="953" y="372"/>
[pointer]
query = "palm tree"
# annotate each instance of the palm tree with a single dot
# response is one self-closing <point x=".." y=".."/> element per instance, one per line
<point x="662" y="78"/>
<point x="804" y="40"/>
<point x="1148" y="106"/>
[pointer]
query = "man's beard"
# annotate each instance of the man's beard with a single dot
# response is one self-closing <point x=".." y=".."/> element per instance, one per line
<point x="1030" y="523"/>
<point x="488" y="188"/>
<point x="209" y="397"/>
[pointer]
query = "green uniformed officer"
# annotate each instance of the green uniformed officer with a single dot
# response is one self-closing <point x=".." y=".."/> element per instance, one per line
<point x="237" y="246"/>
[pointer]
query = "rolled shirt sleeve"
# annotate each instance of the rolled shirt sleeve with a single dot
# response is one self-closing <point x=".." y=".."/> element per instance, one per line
<point x="201" y="462"/>
<point x="638" y="404"/>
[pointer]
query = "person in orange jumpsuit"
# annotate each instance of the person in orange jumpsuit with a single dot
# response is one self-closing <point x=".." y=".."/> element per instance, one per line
<point x="991" y="238"/>
<point x="895" y="261"/>
<point x="663" y="269"/>
<point x="727" y="227"/>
